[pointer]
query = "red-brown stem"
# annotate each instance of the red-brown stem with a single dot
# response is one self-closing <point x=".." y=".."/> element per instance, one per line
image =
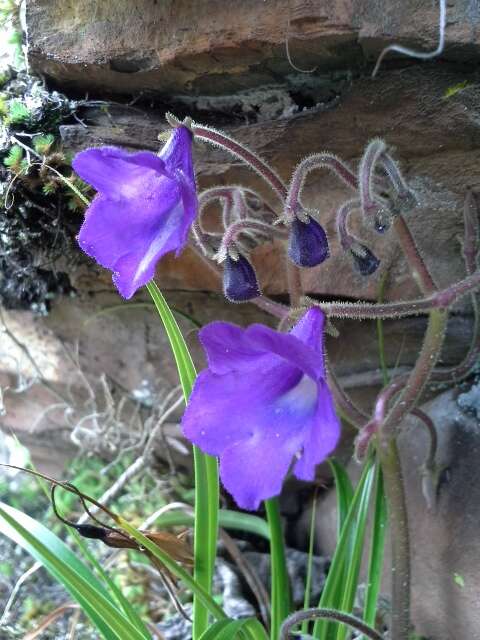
<point x="343" y="213"/>
<point x="275" y="309"/>
<point x="414" y="259"/>
<point x="398" y="521"/>
<point x="328" y="614"/>
<point x="366" y="172"/>
<point x="371" y="311"/>
<point x="421" y="373"/>
<point x="235" y="229"/>
<point x="239" y="151"/>
<point x="347" y="408"/>
<point x="294" y="283"/>
<point x="316" y="161"/>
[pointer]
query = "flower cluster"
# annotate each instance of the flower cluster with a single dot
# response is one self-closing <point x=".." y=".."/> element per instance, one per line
<point x="263" y="404"/>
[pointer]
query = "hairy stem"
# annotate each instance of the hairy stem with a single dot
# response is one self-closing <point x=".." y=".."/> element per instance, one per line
<point x="415" y="260"/>
<point x="370" y="311"/>
<point x="294" y="283"/>
<point x="421" y="373"/>
<point x="239" y="151"/>
<point x="327" y="614"/>
<point x="348" y="410"/>
<point x="397" y="509"/>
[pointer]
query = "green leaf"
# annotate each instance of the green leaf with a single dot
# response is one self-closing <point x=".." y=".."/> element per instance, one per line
<point x="195" y="587"/>
<point x="343" y="490"/>
<point x="377" y="545"/>
<point x="354" y="560"/>
<point x="14" y="157"/>
<point x="332" y="594"/>
<point x="206" y="471"/>
<point x="226" y="519"/>
<point x="280" y="585"/>
<point x="231" y="629"/>
<point x="65" y="567"/>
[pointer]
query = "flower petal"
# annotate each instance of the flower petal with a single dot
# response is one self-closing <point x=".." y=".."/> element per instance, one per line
<point x="225" y="409"/>
<point x="177" y="153"/>
<point x="254" y="470"/>
<point x="288" y="347"/>
<point x="116" y="173"/>
<point x="321" y="437"/>
<point x="240" y="282"/>
<point x="129" y="237"/>
<point x="134" y="269"/>
<point x="227" y="348"/>
<point x="255" y="424"/>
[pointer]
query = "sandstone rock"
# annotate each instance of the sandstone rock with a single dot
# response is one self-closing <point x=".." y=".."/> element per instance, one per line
<point x="435" y="138"/>
<point x="184" y="47"/>
<point x="444" y="539"/>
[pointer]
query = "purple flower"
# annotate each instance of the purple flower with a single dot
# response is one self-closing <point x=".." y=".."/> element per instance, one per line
<point x="262" y="403"/>
<point x="308" y="244"/>
<point x="144" y="208"/>
<point x="240" y="282"/>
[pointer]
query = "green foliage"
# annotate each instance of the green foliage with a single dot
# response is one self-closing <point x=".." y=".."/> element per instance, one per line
<point x="18" y="112"/>
<point x="43" y="143"/>
<point x="97" y="602"/>
<point x="14" y="159"/>
<point x="456" y="88"/>
<point x="3" y="102"/>
<point x="76" y="202"/>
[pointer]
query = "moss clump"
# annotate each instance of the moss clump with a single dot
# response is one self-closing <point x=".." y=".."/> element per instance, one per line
<point x="40" y="216"/>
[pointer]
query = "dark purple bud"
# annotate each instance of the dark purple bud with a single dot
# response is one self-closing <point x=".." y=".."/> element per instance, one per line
<point x="364" y="260"/>
<point x="308" y="244"/>
<point x="239" y="280"/>
<point x="381" y="224"/>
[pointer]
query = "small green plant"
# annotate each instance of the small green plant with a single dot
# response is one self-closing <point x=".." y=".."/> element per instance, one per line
<point x="43" y="143"/>
<point x="14" y="159"/>
<point x="18" y="112"/>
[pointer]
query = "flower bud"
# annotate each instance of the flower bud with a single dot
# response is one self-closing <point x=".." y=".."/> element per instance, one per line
<point x="364" y="260"/>
<point x="308" y="244"/>
<point x="240" y="282"/>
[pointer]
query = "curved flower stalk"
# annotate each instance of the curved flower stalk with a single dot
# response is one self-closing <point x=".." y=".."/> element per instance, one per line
<point x="262" y="403"/>
<point x="144" y="208"/>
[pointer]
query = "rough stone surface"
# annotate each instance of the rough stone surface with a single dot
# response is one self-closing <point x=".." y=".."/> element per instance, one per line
<point x="435" y="139"/>
<point x="179" y="46"/>
<point x="444" y="538"/>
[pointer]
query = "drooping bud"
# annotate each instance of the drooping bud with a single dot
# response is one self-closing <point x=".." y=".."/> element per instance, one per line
<point x="240" y="282"/>
<point x="364" y="260"/>
<point x="382" y="220"/>
<point x="308" y="244"/>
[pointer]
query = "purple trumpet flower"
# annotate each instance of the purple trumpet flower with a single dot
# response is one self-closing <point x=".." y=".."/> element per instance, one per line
<point x="262" y="403"/>
<point x="144" y="208"/>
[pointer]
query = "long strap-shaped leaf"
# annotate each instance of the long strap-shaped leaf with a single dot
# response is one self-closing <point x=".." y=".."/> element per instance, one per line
<point x="206" y="471"/>
<point x="332" y="594"/>
<point x="377" y="545"/>
<point x="232" y="629"/>
<point x="280" y="586"/>
<point x="79" y="581"/>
